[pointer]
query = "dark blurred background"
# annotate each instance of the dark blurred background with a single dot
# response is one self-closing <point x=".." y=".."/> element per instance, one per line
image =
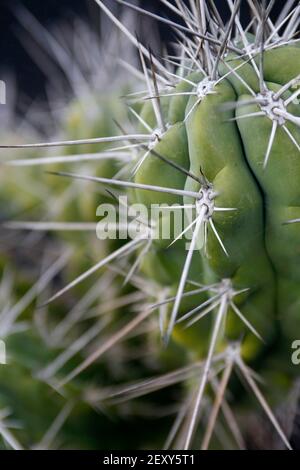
<point x="15" y="57"/>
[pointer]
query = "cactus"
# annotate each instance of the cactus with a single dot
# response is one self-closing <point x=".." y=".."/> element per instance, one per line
<point x="218" y="136"/>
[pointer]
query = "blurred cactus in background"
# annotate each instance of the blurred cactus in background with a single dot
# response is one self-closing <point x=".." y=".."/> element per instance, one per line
<point x="209" y="133"/>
